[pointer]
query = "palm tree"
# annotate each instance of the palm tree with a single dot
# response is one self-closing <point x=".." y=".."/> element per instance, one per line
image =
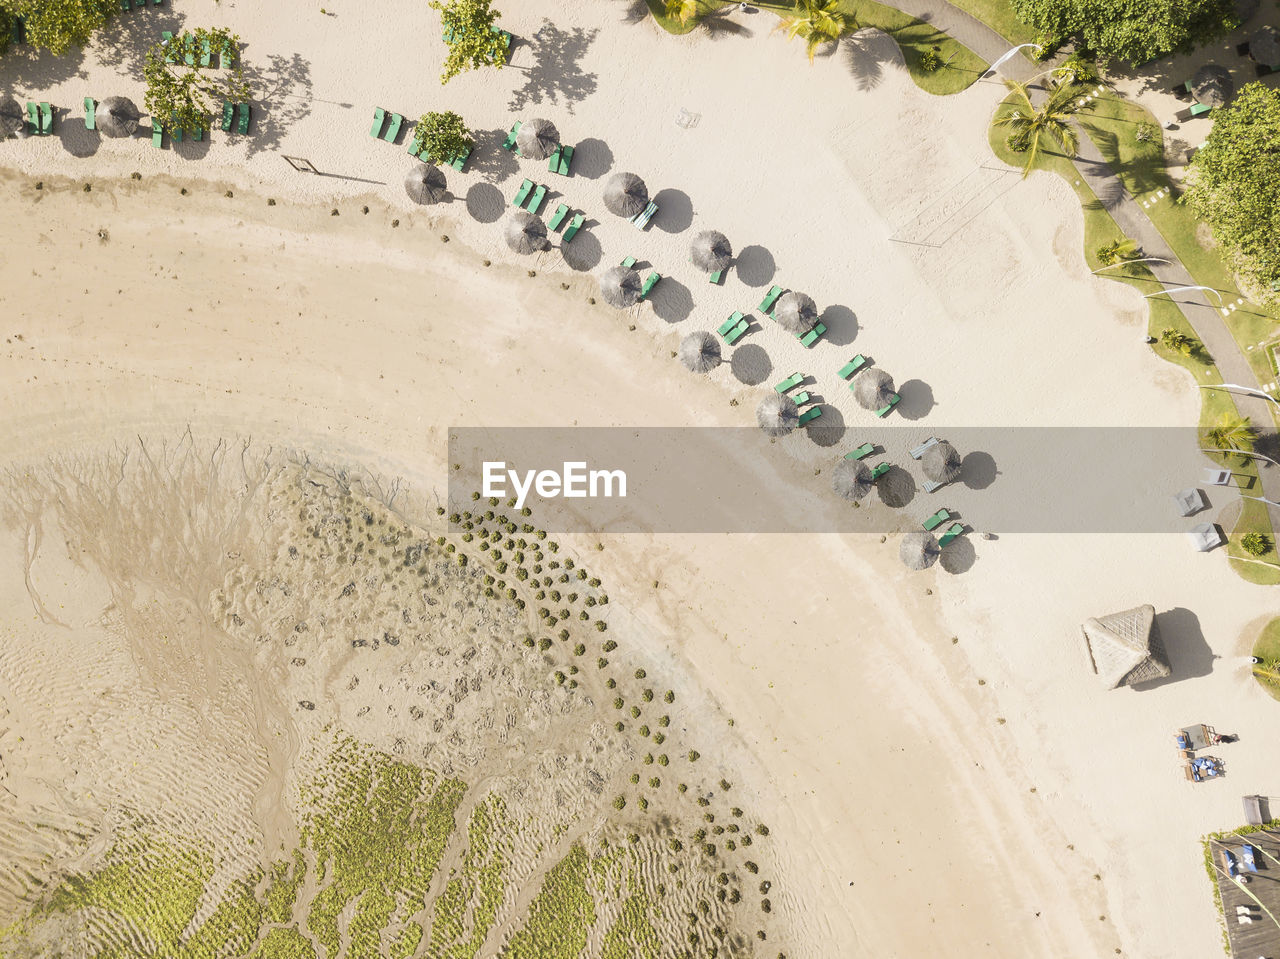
<point x="1112" y="253"/>
<point x="1232" y="433"/>
<point x="683" y="10"/>
<point x="1029" y="125"/>
<point x="817" y="22"/>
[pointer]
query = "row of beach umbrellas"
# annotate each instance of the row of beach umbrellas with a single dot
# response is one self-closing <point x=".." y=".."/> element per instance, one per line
<point x="114" y="117"/>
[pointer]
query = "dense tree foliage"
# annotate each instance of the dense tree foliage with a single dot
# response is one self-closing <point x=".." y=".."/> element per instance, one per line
<point x="1133" y="30"/>
<point x="471" y="32"/>
<point x="55" y="25"/>
<point x="1234" y="184"/>
<point x="443" y="136"/>
<point x="180" y="92"/>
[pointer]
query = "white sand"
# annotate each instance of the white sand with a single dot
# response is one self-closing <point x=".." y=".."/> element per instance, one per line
<point x="351" y="338"/>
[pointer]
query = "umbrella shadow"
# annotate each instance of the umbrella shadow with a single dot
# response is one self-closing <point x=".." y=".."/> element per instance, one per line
<point x="671" y="300"/>
<point x="675" y="210"/>
<point x="556" y="75"/>
<point x="755" y="265"/>
<point x="978" y="470"/>
<point x="281" y="91"/>
<point x="485" y="203"/>
<point x="584" y="253"/>
<point x="76" y="139"/>
<point x="959" y="556"/>
<point x="1188" y="651"/>
<point x="896" y="488"/>
<point x="841" y="323"/>
<point x="829" y="429"/>
<point x="592" y="158"/>
<point x="489" y="159"/>
<point x="916" y="400"/>
<point x="751" y="364"/>
<point x="866" y="53"/>
<point x="190" y="149"/>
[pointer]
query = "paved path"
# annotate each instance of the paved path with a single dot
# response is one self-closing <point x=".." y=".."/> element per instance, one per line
<point x="1203" y="314"/>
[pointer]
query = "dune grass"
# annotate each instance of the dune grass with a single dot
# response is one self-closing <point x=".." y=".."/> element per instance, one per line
<point x="915" y="38"/>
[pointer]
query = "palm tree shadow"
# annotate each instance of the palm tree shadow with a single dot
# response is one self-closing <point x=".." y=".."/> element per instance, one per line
<point x="634" y="11"/>
<point x="556" y="75"/>
<point x="718" y="25"/>
<point x="866" y="53"/>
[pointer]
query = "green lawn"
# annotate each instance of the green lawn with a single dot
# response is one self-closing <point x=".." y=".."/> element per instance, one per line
<point x="999" y="16"/>
<point x="1099" y="229"/>
<point x="914" y="37"/>
<point x="1111" y="123"/>
<point x="1267" y="649"/>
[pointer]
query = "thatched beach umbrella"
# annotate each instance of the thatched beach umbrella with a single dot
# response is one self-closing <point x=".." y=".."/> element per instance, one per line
<point x="525" y="233"/>
<point x="425" y="183"/>
<point x="700" y="352"/>
<point x="620" y="287"/>
<point x="873" y="389"/>
<point x="941" y="462"/>
<point x="711" y="251"/>
<point x="12" y="119"/>
<point x="796" y="313"/>
<point x="1264" y="46"/>
<point x="851" y="480"/>
<point x="117" y="117"/>
<point x="625" y="195"/>
<point x="919" y="550"/>
<point x="1212" y="85"/>
<point x="537" y="139"/>
<point x="778" y="414"/>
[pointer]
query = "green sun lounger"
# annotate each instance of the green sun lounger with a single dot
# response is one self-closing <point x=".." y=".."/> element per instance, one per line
<point x="510" y="142"/>
<point x="770" y="298"/>
<point x="414" y="147"/>
<point x="46" y="119"/>
<point x="243" y="125"/>
<point x="558" y="216"/>
<point x="460" y="161"/>
<point x="649" y="283"/>
<point x="33" y="119"/>
<point x="880" y="470"/>
<point x="206" y="54"/>
<point x="124" y="5"/>
<point x="815" y="334"/>
<point x="629" y="262"/>
<point x="954" y="530"/>
<point x="863" y="450"/>
<point x="379" y="117"/>
<point x="228" y="115"/>
<point x="535" y="201"/>
<point x="197" y="134"/>
<point x="191" y="57"/>
<point x="393" y="128"/>
<point x="175" y="131"/>
<point x="228" y="55"/>
<point x="936" y="520"/>
<point x="717" y="276"/>
<point x="157" y="134"/>
<point x="1200" y="109"/>
<point x="809" y="415"/>
<point x="166" y="38"/>
<point x="884" y="411"/>
<point x="792" y="381"/>
<point x="522" y="194"/>
<point x="801" y="398"/>
<point x="574" y="226"/>
<point x="561" y="159"/>
<point x="730" y="323"/>
<point x="90" y="106"/>
<point x="855" y="364"/>
<point x="737" y="332"/>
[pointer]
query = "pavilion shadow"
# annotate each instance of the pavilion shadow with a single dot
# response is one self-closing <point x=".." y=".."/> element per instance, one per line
<point x="1184" y="643"/>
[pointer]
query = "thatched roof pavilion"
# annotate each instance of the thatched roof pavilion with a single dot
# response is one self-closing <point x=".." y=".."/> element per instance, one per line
<point x="1125" y="648"/>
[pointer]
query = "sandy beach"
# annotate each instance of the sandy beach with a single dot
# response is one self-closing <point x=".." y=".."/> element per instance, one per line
<point x="935" y="761"/>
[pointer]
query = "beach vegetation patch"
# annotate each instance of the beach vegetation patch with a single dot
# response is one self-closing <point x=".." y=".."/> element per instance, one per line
<point x="1132" y="30"/>
<point x="182" y="88"/>
<point x="55" y="25"/>
<point x="473" y="37"/>
<point x="443" y="136"/>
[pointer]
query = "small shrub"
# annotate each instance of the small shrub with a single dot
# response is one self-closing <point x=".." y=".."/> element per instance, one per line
<point x="930" y="61"/>
<point x="693" y="755"/>
<point x="1255" y="544"/>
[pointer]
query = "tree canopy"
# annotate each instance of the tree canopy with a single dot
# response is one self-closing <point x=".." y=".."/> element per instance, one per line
<point x="182" y="93"/>
<point x="471" y="33"/>
<point x="443" y="136"/>
<point x="1132" y="30"/>
<point x="57" y="25"/>
<point x="1234" y="185"/>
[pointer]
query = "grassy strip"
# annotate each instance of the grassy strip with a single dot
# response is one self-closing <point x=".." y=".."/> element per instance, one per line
<point x="999" y="16"/>
<point x="560" y="916"/>
<point x="1267" y="649"/>
<point x="914" y="37"/>
<point x="1100" y="228"/>
<point x="1111" y="123"/>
